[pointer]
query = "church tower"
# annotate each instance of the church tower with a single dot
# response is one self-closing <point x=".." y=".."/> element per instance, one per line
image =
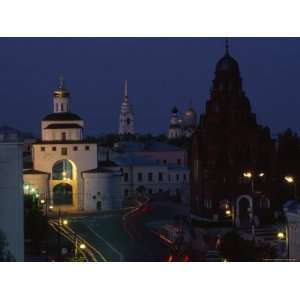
<point x="126" y="115"/>
<point x="175" y="128"/>
<point x="227" y="143"/>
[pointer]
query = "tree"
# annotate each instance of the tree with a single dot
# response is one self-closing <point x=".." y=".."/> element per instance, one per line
<point x="5" y="254"/>
<point x="234" y="248"/>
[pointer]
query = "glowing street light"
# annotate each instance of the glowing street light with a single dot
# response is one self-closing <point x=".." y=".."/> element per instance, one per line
<point x="261" y="174"/>
<point x="65" y="222"/>
<point x="247" y="174"/>
<point x="280" y="235"/>
<point x="289" y="179"/>
<point x="42" y="201"/>
<point x="82" y="246"/>
<point x="228" y="212"/>
<point x="51" y="207"/>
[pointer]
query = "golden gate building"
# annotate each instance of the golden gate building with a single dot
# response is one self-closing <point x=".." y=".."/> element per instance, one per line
<point x="65" y="168"/>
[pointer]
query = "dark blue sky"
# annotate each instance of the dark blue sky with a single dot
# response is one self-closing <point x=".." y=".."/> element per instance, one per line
<point x="161" y="73"/>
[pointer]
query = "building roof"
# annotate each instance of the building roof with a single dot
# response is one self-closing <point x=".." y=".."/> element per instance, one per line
<point x="62" y="126"/>
<point x="34" y="172"/>
<point x="103" y="167"/>
<point x="10" y="134"/>
<point x="145" y="147"/>
<point x="86" y="141"/>
<point x="129" y="159"/>
<point x="65" y="116"/>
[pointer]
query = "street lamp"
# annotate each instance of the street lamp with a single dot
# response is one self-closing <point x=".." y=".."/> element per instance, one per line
<point x="228" y="212"/>
<point x="291" y="180"/>
<point x="82" y="246"/>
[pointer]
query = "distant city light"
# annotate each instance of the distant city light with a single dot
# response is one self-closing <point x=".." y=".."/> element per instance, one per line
<point x="228" y="212"/>
<point x="51" y="207"/>
<point x="261" y="174"/>
<point x="280" y="235"/>
<point x="43" y="201"/>
<point x="65" y="222"/>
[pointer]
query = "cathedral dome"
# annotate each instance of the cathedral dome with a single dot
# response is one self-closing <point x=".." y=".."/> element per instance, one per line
<point x="227" y="64"/>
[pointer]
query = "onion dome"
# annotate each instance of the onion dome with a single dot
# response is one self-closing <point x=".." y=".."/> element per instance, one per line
<point x="174" y="110"/>
<point x="61" y="91"/>
<point x="227" y="64"/>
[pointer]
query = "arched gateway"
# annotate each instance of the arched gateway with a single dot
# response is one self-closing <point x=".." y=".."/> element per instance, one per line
<point x="244" y="211"/>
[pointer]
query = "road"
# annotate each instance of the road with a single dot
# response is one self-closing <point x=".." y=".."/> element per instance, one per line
<point x="121" y="235"/>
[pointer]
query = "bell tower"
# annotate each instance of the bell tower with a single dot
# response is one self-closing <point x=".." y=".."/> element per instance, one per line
<point x="126" y="125"/>
<point x="61" y="98"/>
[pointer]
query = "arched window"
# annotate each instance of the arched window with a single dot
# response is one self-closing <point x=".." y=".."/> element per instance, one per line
<point x="62" y="170"/>
<point x="62" y="194"/>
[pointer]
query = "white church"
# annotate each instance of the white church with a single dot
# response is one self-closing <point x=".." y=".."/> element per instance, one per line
<point x="66" y="171"/>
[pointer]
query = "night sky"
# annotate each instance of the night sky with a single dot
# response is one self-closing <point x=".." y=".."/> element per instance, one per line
<point x="161" y="73"/>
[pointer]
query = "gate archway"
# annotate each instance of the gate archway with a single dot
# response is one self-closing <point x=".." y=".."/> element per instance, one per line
<point x="244" y="211"/>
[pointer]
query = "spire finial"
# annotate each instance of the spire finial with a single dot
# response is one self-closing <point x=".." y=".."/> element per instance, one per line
<point x="61" y="81"/>
<point x="126" y="89"/>
<point x="226" y="46"/>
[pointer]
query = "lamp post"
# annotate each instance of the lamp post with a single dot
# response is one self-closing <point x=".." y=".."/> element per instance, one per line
<point x="61" y="222"/>
<point x="284" y="237"/>
<point x="291" y="180"/>
<point x="82" y="246"/>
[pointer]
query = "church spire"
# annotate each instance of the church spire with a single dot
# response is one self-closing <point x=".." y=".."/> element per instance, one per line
<point x="126" y="90"/>
<point x="61" y="81"/>
<point x="226" y="46"/>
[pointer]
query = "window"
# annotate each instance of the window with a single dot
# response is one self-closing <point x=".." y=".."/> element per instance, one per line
<point x="42" y="149"/>
<point x="184" y="177"/>
<point x="56" y="106"/>
<point x="126" y="192"/>
<point x="178" y="161"/>
<point x="169" y="177"/>
<point x="75" y="148"/>
<point x="177" y="177"/>
<point x="87" y="148"/>
<point x="53" y="148"/>
<point x="126" y="177"/>
<point x="64" y="151"/>
<point x="165" y="161"/>
<point x="63" y="136"/>
<point x="150" y="176"/>
<point x="160" y="190"/>
<point x="61" y="107"/>
<point x="62" y="169"/>
<point x="140" y="177"/>
<point x="128" y="121"/>
<point x="160" y="176"/>
<point x="150" y="191"/>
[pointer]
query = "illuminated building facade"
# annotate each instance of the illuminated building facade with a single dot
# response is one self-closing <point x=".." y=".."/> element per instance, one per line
<point x="66" y="171"/>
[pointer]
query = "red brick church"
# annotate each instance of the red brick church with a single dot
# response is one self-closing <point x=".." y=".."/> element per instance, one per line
<point x="233" y="157"/>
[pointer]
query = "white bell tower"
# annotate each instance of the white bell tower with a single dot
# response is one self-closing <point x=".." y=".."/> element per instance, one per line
<point x="61" y="98"/>
<point x="126" y="125"/>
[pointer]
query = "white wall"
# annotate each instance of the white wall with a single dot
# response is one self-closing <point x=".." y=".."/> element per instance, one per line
<point x="11" y="197"/>
<point x="104" y="188"/>
<point x="53" y="134"/>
